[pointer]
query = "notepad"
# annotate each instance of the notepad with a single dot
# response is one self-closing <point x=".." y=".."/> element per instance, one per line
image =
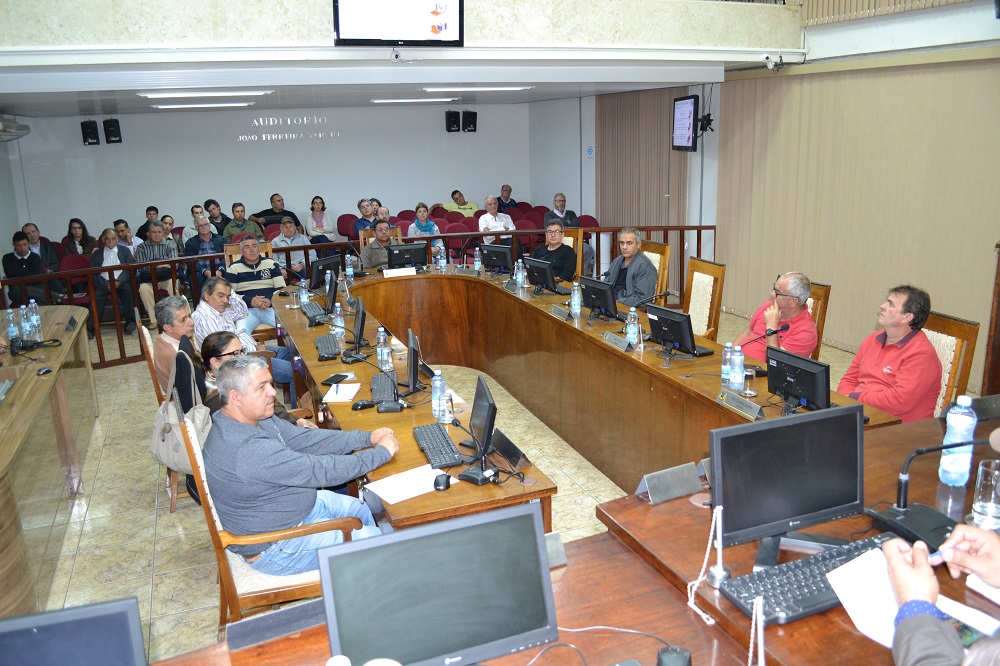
<point x="406" y="485"/>
<point x="342" y="392"/>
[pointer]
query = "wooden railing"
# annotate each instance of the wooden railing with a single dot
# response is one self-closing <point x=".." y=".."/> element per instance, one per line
<point x="674" y="236"/>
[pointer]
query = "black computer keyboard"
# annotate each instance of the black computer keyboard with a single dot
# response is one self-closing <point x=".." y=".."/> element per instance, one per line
<point x="384" y="387"/>
<point x="434" y="441"/>
<point x="314" y="311"/>
<point x="328" y="347"/>
<point x="562" y="291"/>
<point x="702" y="351"/>
<point x="797" y="589"/>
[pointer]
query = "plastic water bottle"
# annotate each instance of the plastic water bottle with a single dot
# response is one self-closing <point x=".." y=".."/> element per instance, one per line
<point x="26" y="328"/>
<point x="519" y="273"/>
<point x="727" y="363"/>
<point x="632" y="327"/>
<point x="575" y="300"/>
<point x="328" y="280"/>
<point x="350" y="269"/>
<point x="736" y="369"/>
<point x="304" y="294"/>
<point x="382" y="351"/>
<point x="477" y="261"/>
<point x="955" y="463"/>
<point x="439" y="395"/>
<point x="13" y="331"/>
<point x="442" y="261"/>
<point x="36" y="319"/>
<point x="339" y="327"/>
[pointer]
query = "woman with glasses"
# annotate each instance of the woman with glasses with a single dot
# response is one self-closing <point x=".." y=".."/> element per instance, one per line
<point x="423" y="226"/>
<point x="78" y="240"/>
<point x="319" y="225"/>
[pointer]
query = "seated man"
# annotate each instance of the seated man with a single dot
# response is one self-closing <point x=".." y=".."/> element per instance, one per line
<point x="290" y="237"/>
<point x="239" y="224"/>
<point x="176" y="327"/>
<point x="632" y="273"/>
<point x="506" y="201"/>
<point x="255" y="278"/>
<point x="44" y="250"/>
<point x="218" y="219"/>
<point x="569" y="219"/>
<point x="367" y="219"/>
<point x="563" y="257"/>
<point x="22" y="262"/>
<point x="111" y="253"/>
<point x="458" y="202"/>
<point x="273" y="214"/>
<point x="494" y="220"/>
<point x="787" y="305"/>
<point x="205" y="241"/>
<point x="191" y="230"/>
<point x="152" y="215"/>
<point x="125" y="236"/>
<point x="923" y="633"/>
<point x="153" y="248"/>
<point x="264" y="472"/>
<point x="897" y="369"/>
<point x="219" y="310"/>
<point x="375" y="254"/>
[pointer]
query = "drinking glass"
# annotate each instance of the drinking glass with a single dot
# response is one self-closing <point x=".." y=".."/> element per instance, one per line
<point x="986" y="501"/>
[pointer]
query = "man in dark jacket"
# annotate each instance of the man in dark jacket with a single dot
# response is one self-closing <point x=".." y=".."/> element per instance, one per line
<point x="205" y="242"/>
<point x="22" y="262"/>
<point x="111" y="253"/>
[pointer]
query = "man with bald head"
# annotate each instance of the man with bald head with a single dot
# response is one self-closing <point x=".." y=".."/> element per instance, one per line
<point x="494" y="220"/>
<point x="786" y="305"/>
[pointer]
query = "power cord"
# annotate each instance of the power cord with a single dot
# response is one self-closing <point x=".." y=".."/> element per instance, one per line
<point x="555" y="645"/>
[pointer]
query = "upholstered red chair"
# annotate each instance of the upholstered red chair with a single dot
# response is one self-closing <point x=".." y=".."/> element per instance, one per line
<point x="479" y="213"/>
<point x="515" y="213"/>
<point x="523" y="206"/>
<point x="345" y="225"/>
<point x="588" y="222"/>
<point x="535" y="218"/>
<point x="455" y="245"/>
<point x="540" y="209"/>
<point x="454" y="216"/>
<point x="240" y="236"/>
<point x="408" y="214"/>
<point x="271" y="231"/>
<point x="78" y="284"/>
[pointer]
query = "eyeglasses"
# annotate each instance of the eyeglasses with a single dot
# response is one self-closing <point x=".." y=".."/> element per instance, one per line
<point x="554" y="232"/>
<point x="238" y="352"/>
<point x="774" y="288"/>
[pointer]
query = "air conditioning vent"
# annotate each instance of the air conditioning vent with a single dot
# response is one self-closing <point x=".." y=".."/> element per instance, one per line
<point x="11" y="130"/>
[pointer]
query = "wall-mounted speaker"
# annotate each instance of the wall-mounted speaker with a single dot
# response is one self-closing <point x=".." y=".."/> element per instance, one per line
<point x="469" y="121"/>
<point x="112" y="131"/>
<point x="91" y="137"/>
<point x="452" y="121"/>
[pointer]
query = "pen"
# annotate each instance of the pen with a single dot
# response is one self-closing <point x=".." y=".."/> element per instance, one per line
<point x="336" y="389"/>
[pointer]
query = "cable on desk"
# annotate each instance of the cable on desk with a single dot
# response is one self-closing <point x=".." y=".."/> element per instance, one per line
<point x="601" y="627"/>
<point x="555" y="645"/>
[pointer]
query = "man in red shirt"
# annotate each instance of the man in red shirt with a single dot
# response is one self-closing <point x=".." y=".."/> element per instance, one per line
<point x="787" y="305"/>
<point x="897" y="369"/>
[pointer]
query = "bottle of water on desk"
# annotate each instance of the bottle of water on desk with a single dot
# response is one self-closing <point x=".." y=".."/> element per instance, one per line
<point x="575" y="300"/>
<point x="349" y="271"/>
<point x="443" y="261"/>
<point x="439" y="394"/>
<point x="632" y="327"/>
<point x="36" y="320"/>
<point x="727" y="364"/>
<point x="26" y="332"/>
<point x="477" y="261"/>
<point x="519" y="273"/>
<point x="13" y="331"/>
<point x="339" y="327"/>
<point x="304" y="294"/>
<point x="955" y="463"/>
<point x="382" y="351"/>
<point x="736" y="369"/>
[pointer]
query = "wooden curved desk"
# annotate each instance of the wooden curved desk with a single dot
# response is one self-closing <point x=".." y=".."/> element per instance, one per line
<point x="623" y="412"/>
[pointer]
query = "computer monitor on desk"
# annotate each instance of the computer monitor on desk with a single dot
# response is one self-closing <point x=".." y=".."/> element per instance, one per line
<point x="502" y="604"/>
<point x="498" y="258"/>
<point x="359" y="341"/>
<point x="797" y="380"/>
<point x="318" y="269"/>
<point x="599" y="296"/>
<point x="672" y="329"/>
<point x="541" y="275"/>
<point x="405" y="255"/>
<point x="413" y="365"/>
<point x="784" y="474"/>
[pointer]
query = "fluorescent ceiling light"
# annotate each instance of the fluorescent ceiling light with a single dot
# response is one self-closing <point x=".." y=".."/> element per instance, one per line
<point x="208" y="105"/>
<point x="415" y="100"/>
<point x="207" y="93"/>
<point x="484" y="89"/>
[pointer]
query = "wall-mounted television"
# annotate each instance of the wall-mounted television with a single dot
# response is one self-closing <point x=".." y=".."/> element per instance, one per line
<point x="684" y="134"/>
<point x="398" y="23"/>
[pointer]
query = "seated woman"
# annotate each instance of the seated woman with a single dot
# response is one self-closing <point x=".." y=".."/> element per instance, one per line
<point x="424" y="227"/>
<point x="77" y="239"/>
<point x="319" y="225"/>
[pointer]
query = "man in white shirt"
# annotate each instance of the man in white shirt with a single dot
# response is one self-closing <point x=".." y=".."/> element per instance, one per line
<point x="112" y="253"/>
<point x="190" y="231"/>
<point x="493" y="220"/>
<point x="125" y="236"/>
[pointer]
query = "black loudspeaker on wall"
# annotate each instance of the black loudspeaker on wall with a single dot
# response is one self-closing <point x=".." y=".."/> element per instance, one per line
<point x="469" y="121"/>
<point x="451" y="121"/>
<point x="112" y="131"/>
<point x="91" y="137"/>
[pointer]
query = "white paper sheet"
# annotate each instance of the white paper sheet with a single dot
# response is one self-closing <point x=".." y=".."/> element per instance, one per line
<point x="406" y="485"/>
<point x="342" y="392"/>
<point x="982" y="587"/>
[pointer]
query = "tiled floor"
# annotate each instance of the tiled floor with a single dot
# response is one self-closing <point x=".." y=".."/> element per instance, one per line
<point x="119" y="539"/>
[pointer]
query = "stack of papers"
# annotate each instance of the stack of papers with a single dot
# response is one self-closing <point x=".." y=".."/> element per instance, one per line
<point x="406" y="485"/>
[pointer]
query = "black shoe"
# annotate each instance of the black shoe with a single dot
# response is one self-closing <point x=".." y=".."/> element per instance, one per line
<point x="192" y="489"/>
<point x="90" y="334"/>
<point x="130" y="328"/>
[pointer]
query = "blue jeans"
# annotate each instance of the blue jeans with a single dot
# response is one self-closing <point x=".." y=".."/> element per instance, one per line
<point x="282" y="370"/>
<point x="256" y="317"/>
<point x="294" y="556"/>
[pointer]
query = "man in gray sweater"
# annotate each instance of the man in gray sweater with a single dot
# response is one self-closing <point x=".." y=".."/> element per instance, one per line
<point x="263" y="472"/>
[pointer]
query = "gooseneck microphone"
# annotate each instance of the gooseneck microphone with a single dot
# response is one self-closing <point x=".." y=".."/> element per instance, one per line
<point x="919" y="522"/>
<point x="485" y="473"/>
<point x="646" y="301"/>
<point x="766" y="334"/>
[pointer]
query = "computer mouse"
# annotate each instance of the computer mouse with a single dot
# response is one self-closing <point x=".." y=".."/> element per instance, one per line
<point x="442" y="482"/>
<point x="43" y="371"/>
<point x="362" y="404"/>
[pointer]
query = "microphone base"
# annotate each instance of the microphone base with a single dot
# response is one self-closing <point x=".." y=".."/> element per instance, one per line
<point x="475" y="475"/>
<point x="715" y="575"/>
<point x="918" y="522"/>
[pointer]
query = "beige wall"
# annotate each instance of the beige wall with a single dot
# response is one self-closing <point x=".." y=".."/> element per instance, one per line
<point x="864" y="179"/>
<point x="515" y="23"/>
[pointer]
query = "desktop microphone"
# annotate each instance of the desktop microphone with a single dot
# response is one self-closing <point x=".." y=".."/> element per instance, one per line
<point x="646" y="301"/>
<point x="919" y="522"/>
<point x="484" y="473"/>
<point x="768" y="333"/>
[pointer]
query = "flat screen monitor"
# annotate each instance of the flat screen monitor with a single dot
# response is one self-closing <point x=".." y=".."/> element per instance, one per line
<point x="359" y="326"/>
<point x="498" y="258"/>
<point x="318" y="269"/>
<point x="671" y="328"/>
<point x="405" y="255"/>
<point x="398" y="23"/>
<point x="599" y="296"/>
<point x="785" y="474"/>
<point x="685" y="128"/>
<point x="484" y="415"/>
<point x="540" y="273"/>
<point x="103" y="634"/>
<point x="412" y="365"/>
<point x="377" y="608"/>
<point x="798" y="380"/>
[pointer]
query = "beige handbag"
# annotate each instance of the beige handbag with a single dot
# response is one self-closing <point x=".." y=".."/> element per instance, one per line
<point x="167" y="444"/>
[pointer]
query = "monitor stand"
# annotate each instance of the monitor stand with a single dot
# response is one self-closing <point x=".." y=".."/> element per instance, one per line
<point x="791" y="405"/>
<point x="419" y="387"/>
<point x="767" y="551"/>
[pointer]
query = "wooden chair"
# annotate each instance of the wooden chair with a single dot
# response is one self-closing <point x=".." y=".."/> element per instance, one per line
<point x="954" y="340"/>
<point x="659" y="254"/>
<point x="574" y="238"/>
<point x="703" y="296"/>
<point x="819" y="300"/>
<point x="368" y="235"/>
<point x="243" y="591"/>
<point x="146" y="344"/>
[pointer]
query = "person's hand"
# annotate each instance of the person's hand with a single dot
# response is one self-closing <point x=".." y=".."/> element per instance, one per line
<point x="390" y="443"/>
<point x="306" y="423"/>
<point x="265" y="303"/>
<point x="378" y="434"/>
<point x="973" y="550"/>
<point x="911" y="574"/>
<point x="772" y="316"/>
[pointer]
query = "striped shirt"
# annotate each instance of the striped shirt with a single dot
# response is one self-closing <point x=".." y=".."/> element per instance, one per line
<point x="252" y="281"/>
<point x="150" y="251"/>
<point x="208" y="320"/>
